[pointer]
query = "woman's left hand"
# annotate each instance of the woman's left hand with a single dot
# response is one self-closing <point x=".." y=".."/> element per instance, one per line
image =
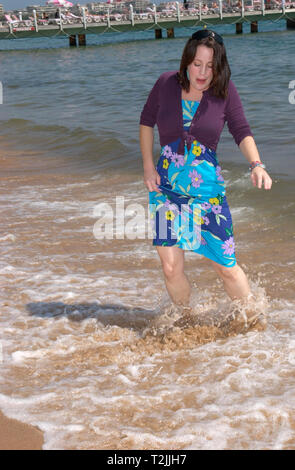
<point x="258" y="176"/>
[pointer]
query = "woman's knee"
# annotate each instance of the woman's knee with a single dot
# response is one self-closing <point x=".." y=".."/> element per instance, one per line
<point x="171" y="269"/>
<point x="227" y="273"/>
<point x="172" y="262"/>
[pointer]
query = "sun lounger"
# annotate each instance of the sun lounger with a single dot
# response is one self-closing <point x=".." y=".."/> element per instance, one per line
<point x="12" y="22"/>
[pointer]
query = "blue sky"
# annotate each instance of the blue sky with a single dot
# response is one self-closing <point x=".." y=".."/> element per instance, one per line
<point x="13" y="4"/>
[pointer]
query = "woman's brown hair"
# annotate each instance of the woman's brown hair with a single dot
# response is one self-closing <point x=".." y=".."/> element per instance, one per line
<point x="221" y="68"/>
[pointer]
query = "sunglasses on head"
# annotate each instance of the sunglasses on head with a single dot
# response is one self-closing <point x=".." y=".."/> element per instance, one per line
<point x="205" y="33"/>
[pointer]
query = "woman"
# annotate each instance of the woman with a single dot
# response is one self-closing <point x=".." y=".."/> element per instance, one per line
<point x="187" y="194"/>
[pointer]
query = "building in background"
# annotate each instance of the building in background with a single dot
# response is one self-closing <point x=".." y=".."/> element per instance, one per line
<point x="122" y="6"/>
<point x="2" y="17"/>
<point x="97" y="7"/>
<point x="141" y="5"/>
<point x="49" y="9"/>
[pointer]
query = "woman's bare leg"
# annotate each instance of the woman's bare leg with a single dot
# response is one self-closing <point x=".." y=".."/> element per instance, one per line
<point x="237" y="287"/>
<point x="178" y="286"/>
<point x="234" y="280"/>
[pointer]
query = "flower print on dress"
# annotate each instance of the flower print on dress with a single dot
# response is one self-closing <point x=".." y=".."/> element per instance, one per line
<point x="228" y="246"/>
<point x="177" y="159"/>
<point x="171" y="206"/>
<point x="206" y="206"/>
<point x="196" y="150"/>
<point x="165" y="163"/>
<point x="167" y="151"/>
<point x="205" y="220"/>
<point x="196" y="178"/>
<point x="170" y="215"/>
<point x="214" y="201"/>
<point x="203" y="148"/>
<point x="216" y="209"/>
<point x="218" y="174"/>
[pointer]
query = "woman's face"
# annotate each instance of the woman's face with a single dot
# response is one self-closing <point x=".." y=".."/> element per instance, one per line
<point x="201" y="69"/>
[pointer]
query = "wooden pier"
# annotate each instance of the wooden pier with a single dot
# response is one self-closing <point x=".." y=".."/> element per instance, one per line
<point x="77" y="32"/>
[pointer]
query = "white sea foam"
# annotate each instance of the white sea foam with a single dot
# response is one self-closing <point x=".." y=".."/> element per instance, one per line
<point x="214" y="402"/>
<point x="9" y="236"/>
<point x="19" y="356"/>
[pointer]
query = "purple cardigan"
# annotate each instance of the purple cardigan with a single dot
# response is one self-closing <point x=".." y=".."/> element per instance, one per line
<point x="164" y="108"/>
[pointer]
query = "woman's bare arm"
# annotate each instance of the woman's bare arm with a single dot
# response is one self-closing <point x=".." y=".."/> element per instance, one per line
<point x="259" y="175"/>
<point x="151" y="176"/>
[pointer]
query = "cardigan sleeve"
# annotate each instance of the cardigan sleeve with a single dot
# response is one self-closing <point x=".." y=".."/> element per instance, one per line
<point x="237" y="123"/>
<point x="148" y="115"/>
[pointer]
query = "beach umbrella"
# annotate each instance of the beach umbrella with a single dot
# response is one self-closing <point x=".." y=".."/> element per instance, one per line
<point x="60" y="3"/>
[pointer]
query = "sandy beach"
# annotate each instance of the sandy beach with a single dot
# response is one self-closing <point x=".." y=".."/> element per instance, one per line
<point x="15" y="435"/>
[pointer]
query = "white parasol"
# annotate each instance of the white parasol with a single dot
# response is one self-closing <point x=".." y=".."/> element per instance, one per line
<point x="60" y="3"/>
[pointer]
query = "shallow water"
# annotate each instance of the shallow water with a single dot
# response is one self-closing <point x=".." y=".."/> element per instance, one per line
<point x="91" y="350"/>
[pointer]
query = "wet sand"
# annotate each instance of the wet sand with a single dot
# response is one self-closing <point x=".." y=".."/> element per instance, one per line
<point x="15" y="435"/>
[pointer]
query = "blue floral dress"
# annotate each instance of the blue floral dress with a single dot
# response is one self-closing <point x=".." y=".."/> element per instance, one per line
<point x="191" y="211"/>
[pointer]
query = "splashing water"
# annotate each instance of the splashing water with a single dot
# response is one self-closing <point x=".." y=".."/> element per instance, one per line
<point x="211" y="320"/>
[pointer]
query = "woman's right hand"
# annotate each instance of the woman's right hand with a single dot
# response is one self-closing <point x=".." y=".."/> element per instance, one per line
<point x="151" y="178"/>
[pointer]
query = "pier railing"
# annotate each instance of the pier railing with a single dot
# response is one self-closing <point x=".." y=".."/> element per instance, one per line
<point x="153" y="18"/>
